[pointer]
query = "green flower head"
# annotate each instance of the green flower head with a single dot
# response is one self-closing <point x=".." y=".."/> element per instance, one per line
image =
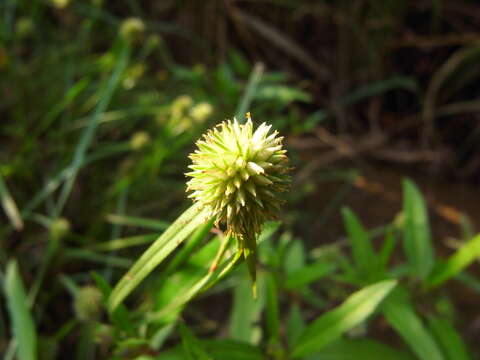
<point x="237" y="173"/>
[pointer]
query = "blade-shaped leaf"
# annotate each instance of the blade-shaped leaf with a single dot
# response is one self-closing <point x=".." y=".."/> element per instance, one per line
<point x="295" y="324"/>
<point x="417" y="238"/>
<point x="246" y="310"/>
<point x="449" y="339"/>
<point x="272" y="308"/>
<point x="364" y="349"/>
<point x="403" y="318"/>
<point x="22" y="321"/>
<point x="456" y="263"/>
<point x="308" y="274"/>
<point x="362" y="249"/>
<point x="192" y="346"/>
<point x="156" y="253"/>
<point x="334" y="323"/>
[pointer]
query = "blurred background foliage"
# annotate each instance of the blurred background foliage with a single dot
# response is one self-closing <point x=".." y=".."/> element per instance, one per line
<point x="100" y="104"/>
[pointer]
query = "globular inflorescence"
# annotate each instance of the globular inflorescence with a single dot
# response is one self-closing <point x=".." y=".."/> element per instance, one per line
<point x="237" y="174"/>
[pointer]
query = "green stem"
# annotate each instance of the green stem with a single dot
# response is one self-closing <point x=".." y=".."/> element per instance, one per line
<point x="221" y="252"/>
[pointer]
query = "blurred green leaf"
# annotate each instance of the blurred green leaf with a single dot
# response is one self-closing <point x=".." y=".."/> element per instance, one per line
<point x="386" y="250"/>
<point x="295" y="324"/>
<point x="219" y="350"/>
<point x="367" y="91"/>
<point x="308" y="274"/>
<point x="125" y="220"/>
<point x="455" y="263"/>
<point x="9" y="206"/>
<point x="417" y="238"/>
<point x="451" y="342"/>
<point x="362" y="248"/>
<point x="250" y="91"/>
<point x="120" y="317"/>
<point x="272" y="311"/>
<point x="246" y="310"/>
<point x="294" y="257"/>
<point x="191" y="345"/>
<point x="361" y="349"/>
<point x="282" y="93"/>
<point x="403" y="318"/>
<point x="330" y="326"/>
<point x="23" y="326"/>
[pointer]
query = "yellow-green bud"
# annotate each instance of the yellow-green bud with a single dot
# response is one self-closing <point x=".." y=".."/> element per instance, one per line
<point x="87" y="303"/>
<point x="60" y="4"/>
<point x="139" y="140"/>
<point x="132" y="29"/>
<point x="59" y="228"/>
<point x="201" y="111"/>
<point x="24" y="27"/>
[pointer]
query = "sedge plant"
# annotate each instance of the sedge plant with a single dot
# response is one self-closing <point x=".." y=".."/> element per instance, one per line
<point x="237" y="173"/>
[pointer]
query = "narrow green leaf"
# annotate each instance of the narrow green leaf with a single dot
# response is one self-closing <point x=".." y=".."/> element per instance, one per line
<point x="123" y="243"/>
<point x="22" y="321"/>
<point x="154" y="255"/>
<point x="455" y="263"/>
<point x="387" y="249"/>
<point x="403" y="318"/>
<point x="308" y="274"/>
<point x="449" y="339"/>
<point x="122" y="51"/>
<point x="246" y="310"/>
<point x="194" y="277"/>
<point x="219" y="349"/>
<point x="9" y="206"/>
<point x="120" y="317"/>
<point x="191" y="345"/>
<point x="362" y="249"/>
<point x="294" y="257"/>
<point x="361" y="349"/>
<point x="137" y="221"/>
<point x="196" y="238"/>
<point x="417" y="238"/>
<point x="295" y="324"/>
<point x="272" y="309"/>
<point x="330" y="326"/>
<point x="249" y="93"/>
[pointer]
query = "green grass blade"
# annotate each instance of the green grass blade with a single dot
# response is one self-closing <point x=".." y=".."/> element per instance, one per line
<point x="252" y="85"/>
<point x="22" y="321"/>
<point x="362" y="249"/>
<point x="455" y="263"/>
<point x="417" y="239"/>
<point x="330" y="326"/>
<point x="246" y="310"/>
<point x="403" y="318"/>
<point x="191" y="345"/>
<point x="359" y="349"/>
<point x="308" y="274"/>
<point x="449" y="339"/>
<point x="295" y="324"/>
<point x="125" y="220"/>
<point x="123" y="243"/>
<point x="9" y="206"/>
<point x="272" y="311"/>
<point x="386" y="250"/>
<point x="154" y="255"/>
<point x="89" y="132"/>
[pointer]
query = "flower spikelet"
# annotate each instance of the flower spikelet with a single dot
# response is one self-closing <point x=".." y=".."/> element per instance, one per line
<point x="237" y="173"/>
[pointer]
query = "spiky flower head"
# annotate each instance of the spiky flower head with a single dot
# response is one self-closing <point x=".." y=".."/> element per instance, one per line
<point x="237" y="175"/>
